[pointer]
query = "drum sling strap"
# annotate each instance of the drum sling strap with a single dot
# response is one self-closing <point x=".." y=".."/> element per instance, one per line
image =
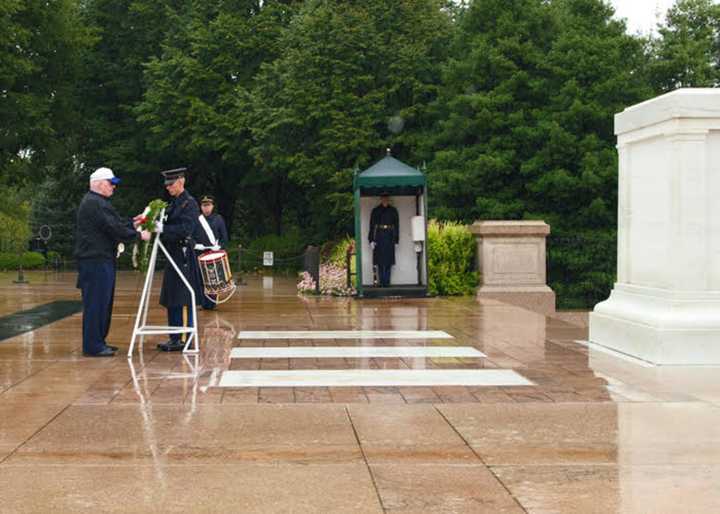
<point x="206" y="227"/>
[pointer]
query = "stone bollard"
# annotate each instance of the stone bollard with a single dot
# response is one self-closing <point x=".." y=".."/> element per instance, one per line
<point x="21" y="277"/>
<point x="311" y="263"/>
<point x="511" y="259"/>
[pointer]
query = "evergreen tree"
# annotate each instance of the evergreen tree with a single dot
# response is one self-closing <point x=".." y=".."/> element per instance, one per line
<point x="353" y="79"/>
<point x="127" y="34"/>
<point x="594" y="70"/>
<point x="41" y="45"/>
<point x="687" y="53"/>
<point x="55" y="204"/>
<point x="489" y="108"/>
<point x="526" y="128"/>
<point x="597" y="70"/>
<point x="191" y="107"/>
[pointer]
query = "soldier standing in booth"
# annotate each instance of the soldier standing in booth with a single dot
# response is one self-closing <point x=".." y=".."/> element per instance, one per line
<point x="178" y="229"/>
<point x="384" y="235"/>
<point x="216" y="225"/>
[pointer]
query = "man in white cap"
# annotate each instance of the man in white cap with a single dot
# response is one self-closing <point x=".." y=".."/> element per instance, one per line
<point x="99" y="230"/>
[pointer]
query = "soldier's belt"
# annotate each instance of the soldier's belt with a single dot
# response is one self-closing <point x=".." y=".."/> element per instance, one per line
<point x="386" y="226"/>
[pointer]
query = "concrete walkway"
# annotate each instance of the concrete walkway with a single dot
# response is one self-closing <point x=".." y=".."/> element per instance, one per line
<point x="589" y="431"/>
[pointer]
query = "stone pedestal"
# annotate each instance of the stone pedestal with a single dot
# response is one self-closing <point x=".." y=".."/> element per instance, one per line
<point x="665" y="306"/>
<point x="511" y="258"/>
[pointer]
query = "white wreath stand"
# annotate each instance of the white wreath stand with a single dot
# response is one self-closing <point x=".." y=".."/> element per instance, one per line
<point x="142" y="329"/>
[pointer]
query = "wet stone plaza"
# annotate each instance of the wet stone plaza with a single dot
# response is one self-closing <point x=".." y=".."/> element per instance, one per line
<point x="332" y="405"/>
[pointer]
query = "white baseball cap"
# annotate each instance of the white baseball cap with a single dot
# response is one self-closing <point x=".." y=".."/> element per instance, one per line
<point x="104" y="174"/>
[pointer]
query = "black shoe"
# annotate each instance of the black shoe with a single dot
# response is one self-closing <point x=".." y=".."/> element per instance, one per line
<point x="113" y="348"/>
<point x="105" y="352"/>
<point x="171" y="346"/>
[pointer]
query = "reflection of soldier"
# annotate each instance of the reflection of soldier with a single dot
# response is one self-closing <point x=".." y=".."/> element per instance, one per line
<point x="384" y="235"/>
<point x="182" y="215"/>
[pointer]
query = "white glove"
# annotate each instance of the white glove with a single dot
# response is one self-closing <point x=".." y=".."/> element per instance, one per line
<point x="158" y="227"/>
<point x="372" y="245"/>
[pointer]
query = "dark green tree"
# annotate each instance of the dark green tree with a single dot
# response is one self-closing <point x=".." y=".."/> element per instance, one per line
<point x="55" y="203"/>
<point x="191" y="107"/>
<point x="526" y="128"/>
<point x="596" y="70"/>
<point x="353" y="79"/>
<point x="41" y="46"/>
<point x="127" y="34"/>
<point x="687" y="52"/>
<point x="593" y="70"/>
<point x="489" y="107"/>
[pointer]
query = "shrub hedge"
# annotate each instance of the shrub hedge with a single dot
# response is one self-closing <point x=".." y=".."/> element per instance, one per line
<point x="451" y="258"/>
<point x="287" y="252"/>
<point x="29" y="260"/>
<point x="14" y="233"/>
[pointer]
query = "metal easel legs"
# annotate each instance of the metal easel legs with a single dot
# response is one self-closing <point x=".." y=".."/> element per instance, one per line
<point x="142" y="328"/>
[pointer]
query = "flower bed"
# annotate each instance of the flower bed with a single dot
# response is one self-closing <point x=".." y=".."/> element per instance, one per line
<point x="333" y="281"/>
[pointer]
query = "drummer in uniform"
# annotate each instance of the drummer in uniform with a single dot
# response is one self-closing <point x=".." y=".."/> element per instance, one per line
<point x="216" y="224"/>
<point x="177" y="236"/>
<point x="384" y="235"/>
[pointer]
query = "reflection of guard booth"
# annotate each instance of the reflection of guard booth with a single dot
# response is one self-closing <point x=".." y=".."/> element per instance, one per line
<point x="408" y="194"/>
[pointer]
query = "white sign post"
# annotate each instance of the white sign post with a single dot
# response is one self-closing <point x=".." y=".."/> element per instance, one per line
<point x="268" y="258"/>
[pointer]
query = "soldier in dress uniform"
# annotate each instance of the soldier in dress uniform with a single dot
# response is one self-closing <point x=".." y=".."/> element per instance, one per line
<point x="177" y="236"/>
<point x="384" y="235"/>
<point x="216" y="223"/>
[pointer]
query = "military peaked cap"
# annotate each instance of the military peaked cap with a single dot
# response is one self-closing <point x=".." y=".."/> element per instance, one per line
<point x="171" y="176"/>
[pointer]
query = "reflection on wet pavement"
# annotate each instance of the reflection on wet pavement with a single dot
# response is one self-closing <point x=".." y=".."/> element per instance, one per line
<point x="592" y="433"/>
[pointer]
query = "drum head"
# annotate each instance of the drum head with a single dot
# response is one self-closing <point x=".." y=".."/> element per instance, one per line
<point x="212" y="256"/>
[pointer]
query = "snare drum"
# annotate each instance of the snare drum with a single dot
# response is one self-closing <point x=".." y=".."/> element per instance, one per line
<point x="215" y="271"/>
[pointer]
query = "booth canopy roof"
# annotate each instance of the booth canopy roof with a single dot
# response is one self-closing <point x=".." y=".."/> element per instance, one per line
<point x="389" y="172"/>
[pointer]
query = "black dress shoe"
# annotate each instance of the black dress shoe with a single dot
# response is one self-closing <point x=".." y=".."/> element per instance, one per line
<point x="105" y="352"/>
<point x="171" y="346"/>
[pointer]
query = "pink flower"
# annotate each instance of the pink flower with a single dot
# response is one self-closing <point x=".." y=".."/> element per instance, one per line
<point x="333" y="281"/>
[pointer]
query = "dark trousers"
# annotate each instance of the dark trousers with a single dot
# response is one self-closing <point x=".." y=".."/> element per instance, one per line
<point x="96" y="280"/>
<point x="384" y="275"/>
<point x="180" y="316"/>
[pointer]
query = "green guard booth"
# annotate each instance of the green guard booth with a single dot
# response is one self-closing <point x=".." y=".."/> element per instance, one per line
<point x="408" y="194"/>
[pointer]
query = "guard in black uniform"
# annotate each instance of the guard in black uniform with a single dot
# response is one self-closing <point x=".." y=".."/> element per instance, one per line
<point x="177" y="236"/>
<point x="216" y="223"/>
<point x="384" y="235"/>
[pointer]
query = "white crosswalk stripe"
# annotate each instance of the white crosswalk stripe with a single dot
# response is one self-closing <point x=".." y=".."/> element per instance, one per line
<point x="345" y="334"/>
<point x="372" y="377"/>
<point x="361" y="377"/>
<point x="353" y="352"/>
